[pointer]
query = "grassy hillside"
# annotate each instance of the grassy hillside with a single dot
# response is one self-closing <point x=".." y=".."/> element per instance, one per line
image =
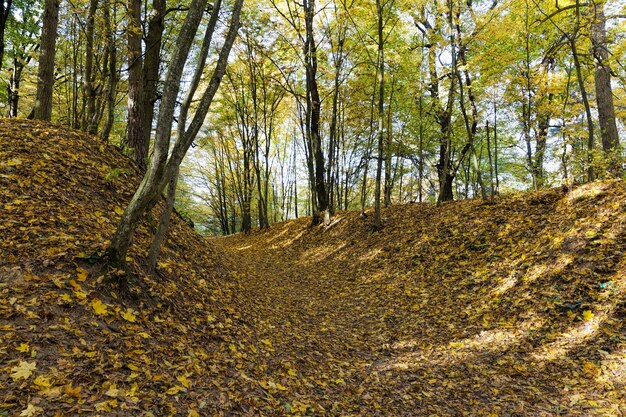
<point x="512" y="307"/>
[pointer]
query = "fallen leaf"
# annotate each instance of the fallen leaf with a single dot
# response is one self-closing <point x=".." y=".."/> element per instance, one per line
<point x="128" y="315"/>
<point x="42" y="381"/>
<point x="99" y="307"/>
<point x="31" y="411"/>
<point x="23" y="371"/>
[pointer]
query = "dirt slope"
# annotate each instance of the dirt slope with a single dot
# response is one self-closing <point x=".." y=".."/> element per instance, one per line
<point x="170" y="347"/>
<point x="512" y="308"/>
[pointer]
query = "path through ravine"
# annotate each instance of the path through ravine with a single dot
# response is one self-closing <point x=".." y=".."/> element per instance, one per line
<point x="360" y="328"/>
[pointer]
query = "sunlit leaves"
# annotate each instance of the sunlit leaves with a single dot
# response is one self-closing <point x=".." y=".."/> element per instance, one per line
<point x="99" y="307"/>
<point x="129" y="315"/>
<point x="23" y="370"/>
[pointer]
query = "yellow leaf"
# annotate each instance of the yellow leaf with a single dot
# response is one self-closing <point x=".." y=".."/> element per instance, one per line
<point x="103" y="406"/>
<point x="112" y="391"/>
<point x="42" y="381"/>
<point x="267" y="342"/>
<point x="23" y="371"/>
<point x="23" y="347"/>
<point x="292" y="372"/>
<point x="183" y="380"/>
<point x="119" y="211"/>
<point x="128" y="315"/>
<point x="99" y="307"/>
<point x="133" y="389"/>
<point x="174" y="390"/>
<point x="31" y="411"/>
<point x="66" y="297"/>
<point x="590" y="369"/>
<point x="82" y="274"/>
<point x="193" y="413"/>
<point x="133" y="367"/>
<point x="71" y="391"/>
<point x="587" y="315"/>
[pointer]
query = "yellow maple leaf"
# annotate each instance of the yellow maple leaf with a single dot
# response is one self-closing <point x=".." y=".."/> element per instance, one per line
<point x="31" y="411"/>
<point x="292" y="372"/>
<point x="99" y="307"/>
<point x="193" y="413"/>
<point x="23" y="347"/>
<point x="23" y="371"/>
<point x="128" y="315"/>
<point x="587" y="315"/>
<point x="42" y="381"/>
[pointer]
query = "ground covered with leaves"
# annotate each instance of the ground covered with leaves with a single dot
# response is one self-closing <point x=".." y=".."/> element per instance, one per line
<point x="513" y="307"/>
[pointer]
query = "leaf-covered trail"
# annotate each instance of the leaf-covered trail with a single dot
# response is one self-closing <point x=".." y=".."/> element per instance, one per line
<point x="470" y="323"/>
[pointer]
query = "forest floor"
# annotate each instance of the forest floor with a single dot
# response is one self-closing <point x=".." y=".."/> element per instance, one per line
<point x="510" y="307"/>
<point x="514" y="307"/>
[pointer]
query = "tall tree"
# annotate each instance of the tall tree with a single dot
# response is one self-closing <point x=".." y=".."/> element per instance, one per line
<point x="135" y="138"/>
<point x="604" y="91"/>
<point x="45" y="74"/>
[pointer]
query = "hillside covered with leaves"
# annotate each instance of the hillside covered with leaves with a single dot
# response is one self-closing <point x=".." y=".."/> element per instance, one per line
<point x="511" y="307"/>
<point x="514" y="306"/>
<point x="68" y="346"/>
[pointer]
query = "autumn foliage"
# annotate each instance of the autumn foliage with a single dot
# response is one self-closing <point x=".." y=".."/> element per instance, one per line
<point x="514" y="306"/>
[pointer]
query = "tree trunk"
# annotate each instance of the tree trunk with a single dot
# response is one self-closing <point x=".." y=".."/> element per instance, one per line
<point x="150" y="68"/>
<point x="89" y="119"/>
<point x="320" y="214"/>
<point x="149" y="189"/>
<point x="604" y="93"/>
<point x="162" y="168"/>
<point x="583" y="91"/>
<point x="164" y="223"/>
<point x="381" y="117"/>
<point x="135" y="138"/>
<point x="5" y="12"/>
<point x="45" y="73"/>
<point x="111" y="72"/>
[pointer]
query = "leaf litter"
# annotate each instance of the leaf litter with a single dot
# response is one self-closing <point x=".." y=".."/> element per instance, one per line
<point x="510" y="307"/>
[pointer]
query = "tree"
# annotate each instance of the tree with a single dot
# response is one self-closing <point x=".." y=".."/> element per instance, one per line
<point x="604" y="91"/>
<point x="45" y="75"/>
<point x="5" y="13"/>
<point x="163" y="165"/>
<point x="135" y="137"/>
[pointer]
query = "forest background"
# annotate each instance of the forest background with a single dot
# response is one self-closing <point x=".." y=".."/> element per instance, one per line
<point x="334" y="105"/>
